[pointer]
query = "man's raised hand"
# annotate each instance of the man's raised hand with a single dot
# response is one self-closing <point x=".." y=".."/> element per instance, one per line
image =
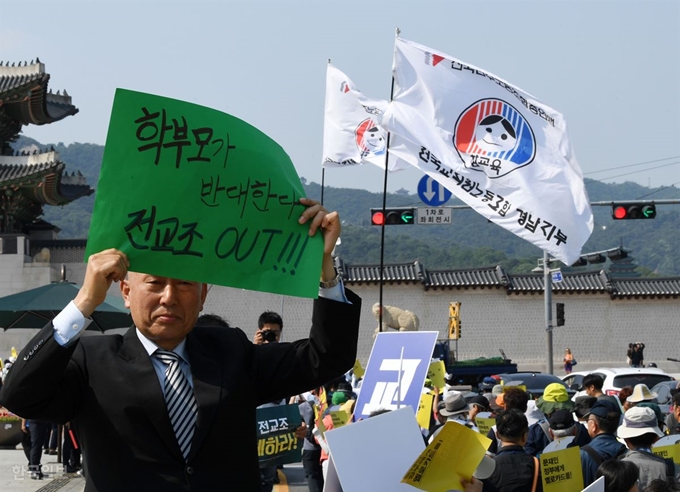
<point x="110" y="265"/>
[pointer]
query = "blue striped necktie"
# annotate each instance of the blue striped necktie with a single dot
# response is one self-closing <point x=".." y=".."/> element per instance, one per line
<point x="180" y="400"/>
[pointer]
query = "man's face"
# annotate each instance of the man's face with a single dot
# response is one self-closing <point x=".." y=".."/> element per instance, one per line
<point x="274" y="328"/>
<point x="164" y="309"/>
<point x="590" y="390"/>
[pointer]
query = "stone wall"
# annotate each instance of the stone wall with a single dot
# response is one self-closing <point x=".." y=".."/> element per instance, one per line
<point x="598" y="329"/>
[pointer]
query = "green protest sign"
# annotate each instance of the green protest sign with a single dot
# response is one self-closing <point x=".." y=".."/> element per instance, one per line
<point x="276" y="441"/>
<point x="193" y="193"/>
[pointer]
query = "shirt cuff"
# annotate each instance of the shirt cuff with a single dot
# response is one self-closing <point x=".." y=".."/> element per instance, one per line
<point x="69" y="324"/>
<point x="336" y="293"/>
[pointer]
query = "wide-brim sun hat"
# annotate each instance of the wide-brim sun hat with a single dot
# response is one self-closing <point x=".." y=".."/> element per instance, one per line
<point x="641" y="393"/>
<point x="454" y="404"/>
<point x="638" y="421"/>
<point x="555" y="397"/>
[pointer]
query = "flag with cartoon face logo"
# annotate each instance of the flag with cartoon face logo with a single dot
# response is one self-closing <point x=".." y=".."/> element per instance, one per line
<point x="493" y="145"/>
<point x="352" y="135"/>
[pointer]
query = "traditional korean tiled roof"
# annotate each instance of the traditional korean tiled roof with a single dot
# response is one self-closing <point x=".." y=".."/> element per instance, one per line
<point x="495" y="277"/>
<point x="647" y="287"/>
<point x="41" y="176"/>
<point x="398" y="273"/>
<point x="591" y="281"/>
<point x="25" y="99"/>
<point x="30" y="181"/>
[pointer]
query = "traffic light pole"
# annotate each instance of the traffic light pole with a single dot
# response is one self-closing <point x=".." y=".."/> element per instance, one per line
<point x="547" y="286"/>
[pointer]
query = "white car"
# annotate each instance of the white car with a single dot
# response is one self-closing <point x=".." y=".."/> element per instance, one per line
<point x="616" y="378"/>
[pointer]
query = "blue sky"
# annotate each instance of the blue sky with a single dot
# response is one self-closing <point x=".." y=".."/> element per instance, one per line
<point x="611" y="67"/>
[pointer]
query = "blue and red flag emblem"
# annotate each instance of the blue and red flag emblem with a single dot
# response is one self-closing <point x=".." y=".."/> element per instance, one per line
<point x="491" y="136"/>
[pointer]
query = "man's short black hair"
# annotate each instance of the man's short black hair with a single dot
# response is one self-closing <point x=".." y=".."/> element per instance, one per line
<point x="511" y="425"/>
<point x="516" y="398"/>
<point x="269" y="317"/>
<point x="608" y="424"/>
<point x="676" y="397"/>
<point x="593" y="380"/>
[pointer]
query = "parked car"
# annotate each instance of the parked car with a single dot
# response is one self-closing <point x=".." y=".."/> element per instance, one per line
<point x="616" y="378"/>
<point x="535" y="382"/>
<point x="664" y="396"/>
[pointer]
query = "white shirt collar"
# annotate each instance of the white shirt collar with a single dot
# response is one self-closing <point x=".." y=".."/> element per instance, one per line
<point x="151" y="347"/>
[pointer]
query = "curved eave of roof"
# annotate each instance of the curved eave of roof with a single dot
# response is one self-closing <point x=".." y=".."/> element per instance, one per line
<point x="71" y="192"/>
<point x="25" y="98"/>
<point x="660" y="287"/>
<point x="58" y="111"/>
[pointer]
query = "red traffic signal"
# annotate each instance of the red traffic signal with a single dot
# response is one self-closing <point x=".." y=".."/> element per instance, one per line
<point x="632" y="211"/>
<point x="377" y="218"/>
<point x="393" y="216"/>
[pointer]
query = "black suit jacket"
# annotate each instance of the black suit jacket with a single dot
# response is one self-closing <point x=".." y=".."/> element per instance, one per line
<point x="108" y="387"/>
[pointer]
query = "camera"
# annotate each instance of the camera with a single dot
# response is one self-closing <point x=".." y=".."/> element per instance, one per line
<point x="269" y="336"/>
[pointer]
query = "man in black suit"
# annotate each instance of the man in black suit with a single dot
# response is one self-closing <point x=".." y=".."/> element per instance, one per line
<point x="112" y="388"/>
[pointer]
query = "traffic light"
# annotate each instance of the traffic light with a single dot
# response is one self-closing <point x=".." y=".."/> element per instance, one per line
<point x="560" y="313"/>
<point x="631" y="211"/>
<point x="393" y="216"/>
<point x="454" y="320"/>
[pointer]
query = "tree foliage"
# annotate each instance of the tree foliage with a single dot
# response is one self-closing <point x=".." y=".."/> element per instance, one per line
<point x="470" y="241"/>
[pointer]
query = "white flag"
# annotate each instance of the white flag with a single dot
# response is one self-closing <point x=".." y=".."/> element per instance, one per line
<point x="494" y="146"/>
<point x="352" y="135"/>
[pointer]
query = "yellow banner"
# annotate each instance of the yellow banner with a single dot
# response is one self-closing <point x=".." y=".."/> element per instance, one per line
<point x="318" y="420"/>
<point x="561" y="470"/>
<point x="484" y="425"/>
<point x="339" y="417"/>
<point x="436" y="373"/>
<point x="672" y="451"/>
<point x="425" y="410"/>
<point x="323" y="400"/>
<point x="453" y="454"/>
<point x="358" y="369"/>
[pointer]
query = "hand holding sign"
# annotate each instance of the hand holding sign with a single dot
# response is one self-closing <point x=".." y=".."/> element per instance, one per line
<point x="189" y="192"/>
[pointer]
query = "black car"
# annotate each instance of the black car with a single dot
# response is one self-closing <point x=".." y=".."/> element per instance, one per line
<point x="535" y="382"/>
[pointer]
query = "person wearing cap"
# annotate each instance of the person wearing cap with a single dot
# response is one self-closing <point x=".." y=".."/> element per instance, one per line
<point x="486" y="386"/>
<point x="555" y="397"/>
<point x="477" y="404"/>
<point x="602" y="421"/>
<point x="515" y="470"/>
<point x="562" y="430"/>
<point x="454" y="408"/>
<point x="640" y="431"/>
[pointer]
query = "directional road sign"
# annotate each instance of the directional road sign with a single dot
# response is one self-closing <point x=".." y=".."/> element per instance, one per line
<point x="432" y="193"/>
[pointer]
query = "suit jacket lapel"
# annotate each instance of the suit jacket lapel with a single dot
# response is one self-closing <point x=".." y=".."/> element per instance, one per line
<point x="146" y="389"/>
<point x="206" y="372"/>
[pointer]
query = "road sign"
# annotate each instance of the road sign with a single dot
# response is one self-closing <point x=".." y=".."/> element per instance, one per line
<point x="432" y="193"/>
<point x="433" y="215"/>
<point x="556" y="277"/>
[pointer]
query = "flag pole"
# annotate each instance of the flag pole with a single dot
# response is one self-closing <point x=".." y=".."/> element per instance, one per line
<point x="382" y="227"/>
<point x="323" y="169"/>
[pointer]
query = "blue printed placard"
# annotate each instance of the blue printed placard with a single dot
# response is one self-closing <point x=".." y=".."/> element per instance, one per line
<point x="401" y="353"/>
